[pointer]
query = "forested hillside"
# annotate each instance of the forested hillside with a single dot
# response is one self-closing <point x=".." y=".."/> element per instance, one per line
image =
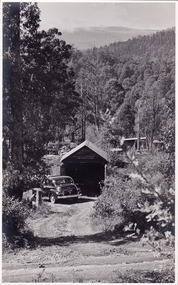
<point x="129" y="87"/>
<point x="128" y="90"/>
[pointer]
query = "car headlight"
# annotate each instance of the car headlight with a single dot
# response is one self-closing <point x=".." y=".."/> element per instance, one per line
<point x="58" y="189"/>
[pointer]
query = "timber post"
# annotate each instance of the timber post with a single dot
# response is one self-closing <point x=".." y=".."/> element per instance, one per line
<point x="37" y="196"/>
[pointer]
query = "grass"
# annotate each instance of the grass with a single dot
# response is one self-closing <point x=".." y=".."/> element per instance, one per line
<point x="165" y="276"/>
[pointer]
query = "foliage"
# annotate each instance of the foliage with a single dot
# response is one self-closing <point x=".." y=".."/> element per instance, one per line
<point x="51" y="93"/>
<point x="142" y="199"/>
<point x="130" y="86"/>
<point x="39" y="100"/>
<point x="38" y="85"/>
<point x="15" y="209"/>
<point x="165" y="275"/>
<point x="12" y="182"/>
<point x="161" y="211"/>
<point x="14" y="228"/>
<point x="14" y="214"/>
<point x="117" y="201"/>
<point x="16" y="182"/>
<point x="53" y="164"/>
<point x="11" y="80"/>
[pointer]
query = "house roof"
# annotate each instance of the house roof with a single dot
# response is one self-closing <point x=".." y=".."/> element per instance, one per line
<point x="134" y="139"/>
<point x="157" y="141"/>
<point x="91" y="146"/>
<point x="116" y="149"/>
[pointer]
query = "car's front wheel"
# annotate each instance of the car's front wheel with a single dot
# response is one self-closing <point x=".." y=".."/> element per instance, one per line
<point x="52" y="199"/>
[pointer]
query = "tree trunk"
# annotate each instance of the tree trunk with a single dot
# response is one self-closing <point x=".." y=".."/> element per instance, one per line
<point x="15" y="90"/>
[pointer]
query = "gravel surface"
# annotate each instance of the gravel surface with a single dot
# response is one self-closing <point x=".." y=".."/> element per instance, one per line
<point x="69" y="249"/>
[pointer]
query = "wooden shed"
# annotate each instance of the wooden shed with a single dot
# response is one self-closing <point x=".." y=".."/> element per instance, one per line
<point x="86" y="164"/>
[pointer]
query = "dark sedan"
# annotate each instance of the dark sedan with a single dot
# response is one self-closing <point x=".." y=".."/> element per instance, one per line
<point x="59" y="187"/>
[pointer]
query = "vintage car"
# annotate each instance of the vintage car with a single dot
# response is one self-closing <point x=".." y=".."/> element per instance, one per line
<point x="59" y="187"/>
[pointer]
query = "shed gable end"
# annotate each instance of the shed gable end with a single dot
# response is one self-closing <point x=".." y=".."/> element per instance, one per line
<point x="84" y="154"/>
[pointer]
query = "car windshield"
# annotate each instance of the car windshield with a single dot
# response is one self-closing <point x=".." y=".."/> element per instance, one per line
<point x="60" y="181"/>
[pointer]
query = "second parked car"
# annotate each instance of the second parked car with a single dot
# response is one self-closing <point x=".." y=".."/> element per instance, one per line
<point x="59" y="187"/>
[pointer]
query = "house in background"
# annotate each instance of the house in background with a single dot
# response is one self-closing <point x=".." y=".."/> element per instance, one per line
<point x="132" y="142"/>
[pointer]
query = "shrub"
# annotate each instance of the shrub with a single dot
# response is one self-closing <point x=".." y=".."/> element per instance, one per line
<point x="14" y="209"/>
<point x="13" y="182"/>
<point x="15" y="232"/>
<point x="117" y="202"/>
<point x="159" y="183"/>
<point x="14" y="213"/>
<point x="145" y="199"/>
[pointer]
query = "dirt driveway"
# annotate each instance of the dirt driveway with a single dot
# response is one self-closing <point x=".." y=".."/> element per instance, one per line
<point x="68" y="249"/>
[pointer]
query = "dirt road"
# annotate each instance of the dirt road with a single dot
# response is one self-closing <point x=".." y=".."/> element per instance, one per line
<point x="68" y="249"/>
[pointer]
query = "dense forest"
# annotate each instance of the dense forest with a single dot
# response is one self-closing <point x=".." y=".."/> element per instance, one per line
<point x="52" y="91"/>
<point x="123" y="89"/>
<point x="128" y="87"/>
<point x="128" y="90"/>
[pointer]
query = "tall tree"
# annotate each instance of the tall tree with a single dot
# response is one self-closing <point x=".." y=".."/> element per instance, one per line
<point x="39" y="89"/>
<point x="51" y="95"/>
<point x="11" y="79"/>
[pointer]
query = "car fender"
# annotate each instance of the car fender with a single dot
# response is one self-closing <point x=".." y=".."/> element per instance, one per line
<point x="52" y="192"/>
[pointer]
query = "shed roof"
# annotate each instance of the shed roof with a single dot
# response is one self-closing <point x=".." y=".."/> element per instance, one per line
<point x="91" y="146"/>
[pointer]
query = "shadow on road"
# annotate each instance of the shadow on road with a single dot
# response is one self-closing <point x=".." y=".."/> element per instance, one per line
<point x="113" y="237"/>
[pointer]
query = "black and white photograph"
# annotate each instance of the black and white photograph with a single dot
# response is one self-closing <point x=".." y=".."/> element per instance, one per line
<point x="88" y="142"/>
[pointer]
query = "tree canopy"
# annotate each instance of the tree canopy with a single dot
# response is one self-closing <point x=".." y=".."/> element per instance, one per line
<point x="131" y="85"/>
<point x="38" y="84"/>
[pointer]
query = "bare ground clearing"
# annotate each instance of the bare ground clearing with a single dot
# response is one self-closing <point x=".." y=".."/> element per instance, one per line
<point x="68" y="249"/>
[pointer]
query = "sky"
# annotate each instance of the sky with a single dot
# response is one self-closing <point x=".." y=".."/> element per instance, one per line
<point x="68" y="16"/>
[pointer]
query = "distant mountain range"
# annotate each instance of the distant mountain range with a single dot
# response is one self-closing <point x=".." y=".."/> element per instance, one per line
<point x="84" y="38"/>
